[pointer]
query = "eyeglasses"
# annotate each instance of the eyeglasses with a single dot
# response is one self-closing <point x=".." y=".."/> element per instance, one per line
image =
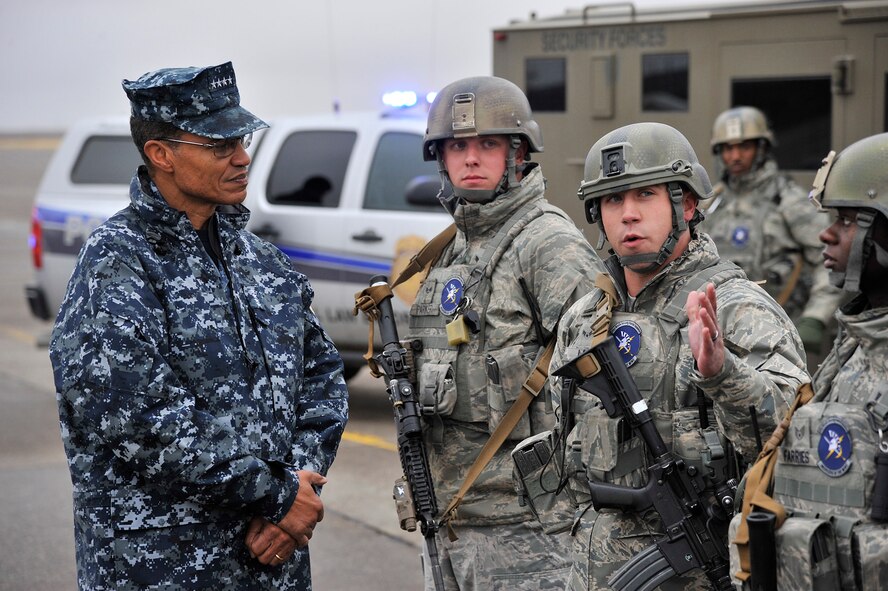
<point x="222" y="148"/>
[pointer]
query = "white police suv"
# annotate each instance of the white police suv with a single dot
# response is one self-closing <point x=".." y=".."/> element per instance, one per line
<point x="346" y="197"/>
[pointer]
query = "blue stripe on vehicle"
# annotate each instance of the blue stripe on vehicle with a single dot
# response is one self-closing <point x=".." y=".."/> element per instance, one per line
<point x="315" y="264"/>
<point x="316" y="258"/>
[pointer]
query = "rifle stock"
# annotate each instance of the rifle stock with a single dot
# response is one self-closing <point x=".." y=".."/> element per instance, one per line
<point x="695" y="516"/>
<point x="395" y="364"/>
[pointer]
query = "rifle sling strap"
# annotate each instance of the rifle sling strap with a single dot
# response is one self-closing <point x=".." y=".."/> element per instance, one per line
<point x="531" y="388"/>
<point x="427" y="255"/>
<point x="791" y="281"/>
<point x="759" y="480"/>
<point x="366" y="300"/>
<point x="587" y="364"/>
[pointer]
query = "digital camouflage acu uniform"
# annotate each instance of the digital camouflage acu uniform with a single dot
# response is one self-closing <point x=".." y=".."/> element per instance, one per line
<point x="763" y="357"/>
<point x="761" y="221"/>
<point x="762" y="368"/>
<point x="827" y="467"/>
<point x="189" y="394"/>
<point x="764" y="223"/>
<point x="466" y="389"/>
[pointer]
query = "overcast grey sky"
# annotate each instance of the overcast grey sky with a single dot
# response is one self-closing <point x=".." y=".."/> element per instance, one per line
<point x="61" y="60"/>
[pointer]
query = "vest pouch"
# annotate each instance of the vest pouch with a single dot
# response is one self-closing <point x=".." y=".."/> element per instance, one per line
<point x="870" y="551"/>
<point x="608" y="449"/>
<point x="806" y="555"/>
<point x="538" y="473"/>
<point x="703" y="448"/>
<point x="507" y="369"/>
<point x="733" y="554"/>
<point x="437" y="392"/>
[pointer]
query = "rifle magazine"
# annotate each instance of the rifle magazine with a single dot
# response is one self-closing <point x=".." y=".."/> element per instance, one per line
<point x="644" y="572"/>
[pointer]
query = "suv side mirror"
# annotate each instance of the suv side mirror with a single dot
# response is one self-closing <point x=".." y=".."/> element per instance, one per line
<point x="423" y="191"/>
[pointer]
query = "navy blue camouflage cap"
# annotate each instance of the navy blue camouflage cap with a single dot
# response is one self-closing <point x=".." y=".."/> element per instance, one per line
<point x="203" y="101"/>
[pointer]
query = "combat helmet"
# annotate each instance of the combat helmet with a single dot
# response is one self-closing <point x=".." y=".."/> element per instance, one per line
<point x="737" y="125"/>
<point x="740" y="124"/>
<point x="477" y="106"/>
<point x="640" y="155"/>
<point x="857" y="178"/>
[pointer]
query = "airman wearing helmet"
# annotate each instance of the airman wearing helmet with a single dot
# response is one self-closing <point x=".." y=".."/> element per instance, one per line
<point x="484" y="313"/>
<point x="758" y="220"/>
<point x="831" y="471"/>
<point x="691" y="328"/>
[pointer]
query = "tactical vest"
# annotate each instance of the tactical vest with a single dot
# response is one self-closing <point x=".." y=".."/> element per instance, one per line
<point x="605" y="448"/>
<point x="740" y="238"/>
<point x="825" y="476"/>
<point x="468" y="382"/>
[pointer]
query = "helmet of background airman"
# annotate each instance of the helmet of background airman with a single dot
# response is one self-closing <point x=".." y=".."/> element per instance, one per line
<point x="640" y="155"/>
<point x="857" y="179"/>
<point x="740" y="124"/>
<point x="478" y="106"/>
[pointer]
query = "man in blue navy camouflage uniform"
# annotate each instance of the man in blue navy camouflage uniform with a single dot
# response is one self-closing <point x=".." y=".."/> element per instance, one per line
<point x="200" y="400"/>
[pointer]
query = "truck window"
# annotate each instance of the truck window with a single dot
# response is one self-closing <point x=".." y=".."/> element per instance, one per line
<point x="800" y="112"/>
<point x="106" y="160"/>
<point x="310" y="168"/>
<point x="396" y="164"/>
<point x="546" y="84"/>
<point x="664" y="82"/>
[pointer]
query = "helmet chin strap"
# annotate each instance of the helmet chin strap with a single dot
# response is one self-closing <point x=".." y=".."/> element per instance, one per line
<point x="508" y="180"/>
<point x="881" y="255"/>
<point x="654" y="260"/>
<point x="859" y="252"/>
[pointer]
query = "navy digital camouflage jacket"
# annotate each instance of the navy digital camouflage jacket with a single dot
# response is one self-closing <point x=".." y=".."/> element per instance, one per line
<point x="188" y="397"/>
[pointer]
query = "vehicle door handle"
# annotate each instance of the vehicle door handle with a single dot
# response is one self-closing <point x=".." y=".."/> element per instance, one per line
<point x="267" y="232"/>
<point x="368" y="235"/>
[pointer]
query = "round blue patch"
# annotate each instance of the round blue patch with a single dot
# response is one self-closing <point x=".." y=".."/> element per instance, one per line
<point x="834" y="448"/>
<point x="452" y="295"/>
<point x="740" y="236"/>
<point x="627" y="336"/>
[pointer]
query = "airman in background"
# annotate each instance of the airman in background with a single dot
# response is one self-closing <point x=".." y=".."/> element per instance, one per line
<point x="759" y="219"/>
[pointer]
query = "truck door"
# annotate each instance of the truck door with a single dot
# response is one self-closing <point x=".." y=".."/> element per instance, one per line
<point x="790" y="81"/>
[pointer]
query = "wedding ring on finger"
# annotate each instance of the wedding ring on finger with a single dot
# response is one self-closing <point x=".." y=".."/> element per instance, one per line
<point x="278" y="556"/>
<point x="716" y="335"/>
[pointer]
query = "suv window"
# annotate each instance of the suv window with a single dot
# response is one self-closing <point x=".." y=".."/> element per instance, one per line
<point x="397" y="164"/>
<point x="106" y="160"/>
<point x="310" y="168"/>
